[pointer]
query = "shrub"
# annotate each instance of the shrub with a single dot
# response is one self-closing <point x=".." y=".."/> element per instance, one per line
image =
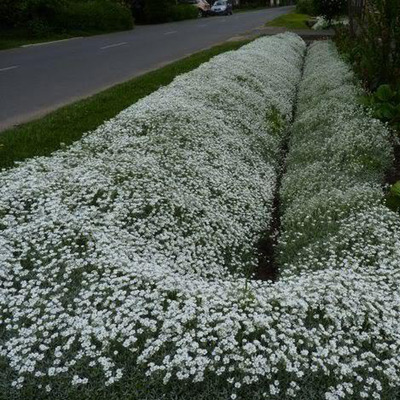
<point x="330" y="9"/>
<point x="93" y="15"/>
<point x="372" y="42"/>
<point x="45" y="16"/>
<point x="11" y="13"/>
<point x="385" y="105"/>
<point x="20" y="12"/>
<point x="305" y="7"/>
<point x="379" y="43"/>
<point x="183" y="11"/>
<point x="157" y="11"/>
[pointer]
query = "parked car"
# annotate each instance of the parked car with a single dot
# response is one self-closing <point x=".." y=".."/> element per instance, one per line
<point x="202" y="5"/>
<point x="221" y="7"/>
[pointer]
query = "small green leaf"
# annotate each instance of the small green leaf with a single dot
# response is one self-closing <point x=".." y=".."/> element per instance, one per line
<point x="365" y="101"/>
<point x="378" y="113"/>
<point x="384" y="93"/>
<point x="392" y="202"/>
<point x="387" y="111"/>
<point x="395" y="189"/>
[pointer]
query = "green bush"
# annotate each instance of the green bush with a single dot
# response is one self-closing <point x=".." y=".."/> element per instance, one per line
<point x="373" y="45"/>
<point x="10" y="13"/>
<point x="330" y="9"/>
<point x="306" y="7"/>
<point x="19" y="13"/>
<point x="41" y="17"/>
<point x="183" y="11"/>
<point x="93" y="15"/>
<point x="385" y="105"/>
<point x="157" y="11"/>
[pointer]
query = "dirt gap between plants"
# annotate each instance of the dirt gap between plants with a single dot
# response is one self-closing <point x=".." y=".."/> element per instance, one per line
<point x="268" y="267"/>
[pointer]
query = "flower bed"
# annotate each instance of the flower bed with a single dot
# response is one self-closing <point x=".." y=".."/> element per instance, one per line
<point x="338" y="236"/>
<point x="88" y="310"/>
<point x="336" y="163"/>
<point x="173" y="190"/>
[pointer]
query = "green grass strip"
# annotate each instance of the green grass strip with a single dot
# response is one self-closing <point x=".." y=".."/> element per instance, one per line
<point x="67" y="124"/>
<point x="291" y="21"/>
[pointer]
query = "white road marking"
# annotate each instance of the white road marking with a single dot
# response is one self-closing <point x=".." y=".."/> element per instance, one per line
<point x="53" y="41"/>
<point x="9" y="68"/>
<point x="170" y="33"/>
<point x="113" y="45"/>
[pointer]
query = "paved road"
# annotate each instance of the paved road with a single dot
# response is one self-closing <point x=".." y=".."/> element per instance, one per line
<point x="35" y="80"/>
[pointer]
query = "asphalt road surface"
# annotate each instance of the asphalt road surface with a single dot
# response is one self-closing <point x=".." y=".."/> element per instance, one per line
<point x="40" y="78"/>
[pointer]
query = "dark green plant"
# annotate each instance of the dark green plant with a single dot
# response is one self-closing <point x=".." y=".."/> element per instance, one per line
<point x="92" y="15"/>
<point x="385" y="105"/>
<point x="156" y="11"/>
<point x="306" y="7"/>
<point x="393" y="197"/>
<point x="373" y="45"/>
<point x="11" y="12"/>
<point x="43" y="17"/>
<point x="330" y="9"/>
<point x="380" y="39"/>
<point x="183" y="11"/>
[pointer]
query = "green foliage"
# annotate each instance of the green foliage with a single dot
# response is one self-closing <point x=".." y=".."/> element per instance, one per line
<point x="43" y="17"/>
<point x="306" y="7"/>
<point x="385" y="105"/>
<point x="276" y="120"/>
<point x="374" y="45"/>
<point x="183" y="11"/>
<point x="157" y="11"/>
<point x="93" y="15"/>
<point x="330" y="9"/>
<point x="393" y="197"/>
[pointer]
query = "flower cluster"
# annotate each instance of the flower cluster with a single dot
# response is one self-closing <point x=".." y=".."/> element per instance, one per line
<point x="337" y="232"/>
<point x="123" y="257"/>
<point x="184" y="181"/>
<point x="336" y="163"/>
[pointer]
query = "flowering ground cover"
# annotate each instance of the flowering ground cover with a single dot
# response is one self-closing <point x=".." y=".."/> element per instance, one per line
<point x="125" y="258"/>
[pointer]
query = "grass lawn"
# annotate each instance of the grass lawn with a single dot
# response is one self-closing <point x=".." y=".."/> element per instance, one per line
<point x="291" y="21"/>
<point x="66" y="125"/>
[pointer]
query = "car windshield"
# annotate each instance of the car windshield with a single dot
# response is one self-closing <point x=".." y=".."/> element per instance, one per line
<point x="219" y="3"/>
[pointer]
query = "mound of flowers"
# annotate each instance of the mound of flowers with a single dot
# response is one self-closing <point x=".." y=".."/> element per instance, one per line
<point x="181" y="183"/>
<point x="124" y="258"/>
<point x="336" y="163"/>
